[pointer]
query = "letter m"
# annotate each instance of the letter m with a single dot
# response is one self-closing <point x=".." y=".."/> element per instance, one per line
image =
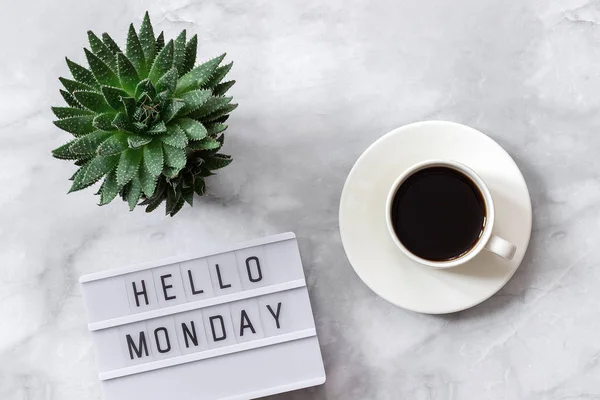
<point x="142" y="346"/>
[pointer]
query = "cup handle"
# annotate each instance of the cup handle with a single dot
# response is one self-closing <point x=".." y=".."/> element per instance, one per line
<point x="501" y="247"/>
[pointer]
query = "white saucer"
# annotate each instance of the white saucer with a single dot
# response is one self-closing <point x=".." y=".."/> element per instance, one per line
<point x="373" y="254"/>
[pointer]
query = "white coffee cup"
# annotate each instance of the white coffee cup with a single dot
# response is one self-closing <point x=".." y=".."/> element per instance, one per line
<point x="487" y="240"/>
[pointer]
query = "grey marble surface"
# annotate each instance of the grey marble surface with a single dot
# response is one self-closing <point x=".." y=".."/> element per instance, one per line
<point x="317" y="83"/>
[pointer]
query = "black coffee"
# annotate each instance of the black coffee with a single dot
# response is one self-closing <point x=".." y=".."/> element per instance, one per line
<point x="438" y="213"/>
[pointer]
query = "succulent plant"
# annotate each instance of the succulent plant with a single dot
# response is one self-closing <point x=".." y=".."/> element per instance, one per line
<point x="145" y="120"/>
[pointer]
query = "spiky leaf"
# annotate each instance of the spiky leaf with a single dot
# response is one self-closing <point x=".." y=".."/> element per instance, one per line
<point x="199" y="186"/>
<point x="69" y="99"/>
<point x="66" y="112"/>
<point x="172" y="109"/>
<point x="198" y="76"/>
<point x="221" y="112"/>
<point x="145" y="87"/>
<point x="115" y="144"/>
<point x="76" y="125"/>
<point x="217" y="161"/>
<point x="104" y="121"/>
<point x="168" y="81"/>
<point x="162" y="64"/>
<point x="134" y="192"/>
<point x="137" y="141"/>
<point x="212" y="105"/>
<point x="128" y="75"/>
<point x="174" y="157"/>
<point x="190" y="55"/>
<point x="64" y="152"/>
<point x="110" y="188"/>
<point x="101" y="71"/>
<point x="135" y="52"/>
<point x="129" y="163"/>
<point x="193" y="100"/>
<point x="222" y="88"/>
<point x="147" y="180"/>
<point x="179" y="51"/>
<point x="110" y="43"/>
<point x="91" y="172"/>
<point x="157" y="129"/>
<point x="102" y="51"/>
<point x="218" y="76"/>
<point x="193" y="129"/>
<point x="147" y="39"/>
<point x="72" y="85"/>
<point x="215" y="129"/>
<point x="207" y="143"/>
<point x="153" y="157"/>
<point x="160" y="42"/>
<point x="175" y="137"/>
<point x="81" y="74"/>
<point x="129" y="105"/>
<point x="122" y="122"/>
<point x="113" y="95"/>
<point x="88" y="144"/>
<point x="93" y="101"/>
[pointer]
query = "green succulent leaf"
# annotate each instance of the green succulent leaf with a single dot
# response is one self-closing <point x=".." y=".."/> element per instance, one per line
<point x="217" y="161"/>
<point x="174" y="202"/>
<point x="199" y="186"/>
<point x="113" y="96"/>
<point x="104" y="121"/>
<point x="198" y="76"/>
<point x="188" y="195"/>
<point x="128" y="75"/>
<point x="88" y="144"/>
<point x="207" y="143"/>
<point x="137" y="141"/>
<point x="193" y="129"/>
<point x="129" y="164"/>
<point x="147" y="39"/>
<point x="92" y="171"/>
<point x="175" y="137"/>
<point x="174" y="157"/>
<point x="129" y="105"/>
<point x="153" y="157"/>
<point x="122" y="122"/>
<point x="93" y="101"/>
<point x="134" y="192"/>
<point x="148" y="181"/>
<point x="168" y="81"/>
<point x="160" y="42"/>
<point x="78" y="126"/>
<point x="115" y="144"/>
<point x="162" y="64"/>
<point x="72" y="85"/>
<point x="157" y="129"/>
<point x="222" y="88"/>
<point x="64" y="152"/>
<point x="190" y="56"/>
<point x="221" y="112"/>
<point x="81" y="74"/>
<point x="215" y="129"/>
<point x="66" y="112"/>
<point x="111" y="44"/>
<point x="135" y="52"/>
<point x="69" y="99"/>
<point x="212" y="105"/>
<point x="218" y="76"/>
<point x="109" y="189"/>
<point x="145" y="87"/>
<point x="102" y="51"/>
<point x="193" y="100"/>
<point x="179" y="51"/>
<point x="172" y="110"/>
<point x="101" y="71"/>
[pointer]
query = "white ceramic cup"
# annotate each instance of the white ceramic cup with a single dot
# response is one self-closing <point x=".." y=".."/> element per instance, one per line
<point x="487" y="240"/>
